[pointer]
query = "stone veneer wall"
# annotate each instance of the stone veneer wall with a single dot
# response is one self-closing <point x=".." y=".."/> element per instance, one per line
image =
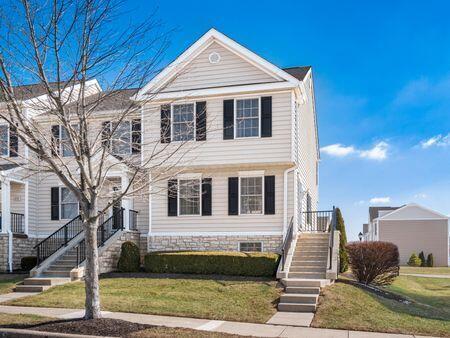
<point x="109" y="257"/>
<point x="22" y="246"/>
<point x="211" y="243"/>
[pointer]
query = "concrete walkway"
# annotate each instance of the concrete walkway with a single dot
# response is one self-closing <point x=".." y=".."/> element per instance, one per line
<point x="15" y="295"/>
<point x="422" y="275"/>
<point x="246" y="329"/>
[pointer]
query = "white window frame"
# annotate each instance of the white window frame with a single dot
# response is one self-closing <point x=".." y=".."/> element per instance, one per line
<point x="60" y="203"/>
<point x="112" y="137"/>
<point x="235" y="114"/>
<point x="239" y="246"/>
<point x="251" y="174"/>
<point x="7" y="140"/>
<point x="171" y="120"/>
<point x="186" y="178"/>
<point x="60" y="146"/>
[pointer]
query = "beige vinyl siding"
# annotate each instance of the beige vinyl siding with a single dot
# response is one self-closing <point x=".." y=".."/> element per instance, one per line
<point x="220" y="221"/>
<point x="230" y="70"/>
<point x="429" y="236"/>
<point x="217" y="151"/>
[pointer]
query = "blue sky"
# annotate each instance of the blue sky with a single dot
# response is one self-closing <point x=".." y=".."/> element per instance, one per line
<point x="382" y="81"/>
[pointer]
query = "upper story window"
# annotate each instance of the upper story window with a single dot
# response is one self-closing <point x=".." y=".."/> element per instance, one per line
<point x="4" y="140"/>
<point x="247" y="118"/>
<point x="251" y="195"/>
<point x="66" y="147"/>
<point x="189" y="196"/>
<point x="121" y="138"/>
<point x="183" y="122"/>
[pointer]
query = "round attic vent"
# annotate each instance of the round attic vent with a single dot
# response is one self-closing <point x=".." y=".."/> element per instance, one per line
<point x="214" y="57"/>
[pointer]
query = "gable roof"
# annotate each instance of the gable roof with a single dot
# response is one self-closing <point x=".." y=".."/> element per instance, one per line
<point x="111" y="100"/>
<point x="373" y="211"/>
<point x="298" y="72"/>
<point x="29" y="91"/>
<point x="425" y="213"/>
<point x="292" y="77"/>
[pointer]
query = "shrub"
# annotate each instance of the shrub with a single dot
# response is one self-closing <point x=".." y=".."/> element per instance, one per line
<point x="430" y="260"/>
<point x="374" y="262"/>
<point x="210" y="262"/>
<point x="130" y="260"/>
<point x="414" y="260"/>
<point x="28" y="262"/>
<point x="423" y="262"/>
<point x="343" y="255"/>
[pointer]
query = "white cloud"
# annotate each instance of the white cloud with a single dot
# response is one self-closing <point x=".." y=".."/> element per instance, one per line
<point x="338" y="150"/>
<point x="436" y="141"/>
<point x="378" y="152"/>
<point x="380" y="200"/>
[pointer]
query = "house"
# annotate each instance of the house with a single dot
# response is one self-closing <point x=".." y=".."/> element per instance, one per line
<point x="249" y="181"/>
<point x="413" y="228"/>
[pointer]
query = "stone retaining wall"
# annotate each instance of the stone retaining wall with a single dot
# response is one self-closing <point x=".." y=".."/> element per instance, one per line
<point x="109" y="257"/>
<point x="22" y="246"/>
<point x="211" y="243"/>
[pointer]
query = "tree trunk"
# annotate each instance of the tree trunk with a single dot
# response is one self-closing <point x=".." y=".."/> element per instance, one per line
<point x="92" y="288"/>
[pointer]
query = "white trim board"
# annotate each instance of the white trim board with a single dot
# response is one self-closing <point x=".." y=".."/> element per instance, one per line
<point x="411" y="205"/>
<point x="210" y="234"/>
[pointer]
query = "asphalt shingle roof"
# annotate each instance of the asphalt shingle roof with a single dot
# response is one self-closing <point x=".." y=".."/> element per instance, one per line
<point x="298" y="72"/>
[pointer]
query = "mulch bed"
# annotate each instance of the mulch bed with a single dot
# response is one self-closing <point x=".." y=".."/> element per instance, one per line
<point x="97" y="327"/>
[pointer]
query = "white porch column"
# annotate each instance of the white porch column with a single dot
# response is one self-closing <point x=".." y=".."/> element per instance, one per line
<point x="26" y="208"/>
<point x="6" y="207"/>
<point x="149" y="204"/>
<point x="126" y="203"/>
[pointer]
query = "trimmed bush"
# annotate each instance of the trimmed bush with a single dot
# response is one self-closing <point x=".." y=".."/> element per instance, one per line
<point x="374" y="262"/>
<point x="28" y="262"/>
<point x="430" y="260"/>
<point x="423" y="262"/>
<point x="130" y="259"/>
<point x="343" y="255"/>
<point x="255" y="264"/>
<point x="414" y="260"/>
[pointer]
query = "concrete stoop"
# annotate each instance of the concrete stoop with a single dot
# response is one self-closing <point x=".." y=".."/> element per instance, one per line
<point x="307" y="274"/>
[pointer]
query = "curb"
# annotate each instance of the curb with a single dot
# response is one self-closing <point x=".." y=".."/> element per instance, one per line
<point x="22" y="333"/>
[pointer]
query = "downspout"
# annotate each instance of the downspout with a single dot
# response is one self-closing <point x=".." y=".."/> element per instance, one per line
<point x="10" y="250"/>
<point x="285" y="200"/>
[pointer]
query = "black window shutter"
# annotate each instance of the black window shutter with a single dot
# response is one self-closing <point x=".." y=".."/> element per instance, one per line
<point x="54" y="203"/>
<point x="200" y="121"/>
<point x="233" y="196"/>
<point x="228" y="119"/>
<point x="165" y="123"/>
<point x="269" y="195"/>
<point x="172" y="198"/>
<point x="136" y="136"/>
<point x="106" y="133"/>
<point x="13" y="141"/>
<point x="206" y="197"/>
<point x="266" y="116"/>
<point x="55" y="140"/>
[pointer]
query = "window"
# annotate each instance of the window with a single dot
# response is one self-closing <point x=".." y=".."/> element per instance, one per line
<point x="251" y="195"/>
<point x="250" y="246"/>
<point x="247" y="118"/>
<point x="66" y="148"/>
<point x="121" y="138"/>
<point x="189" y="194"/>
<point x="4" y="140"/>
<point x="68" y="204"/>
<point x="183" y="122"/>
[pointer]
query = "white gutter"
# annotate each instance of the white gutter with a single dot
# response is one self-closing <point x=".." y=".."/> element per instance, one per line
<point x="285" y="200"/>
<point x="10" y="251"/>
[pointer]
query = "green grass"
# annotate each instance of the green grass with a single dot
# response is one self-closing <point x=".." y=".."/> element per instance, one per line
<point x="344" y="306"/>
<point x="425" y="271"/>
<point x="8" y="281"/>
<point x="204" y="297"/>
<point x="20" y="320"/>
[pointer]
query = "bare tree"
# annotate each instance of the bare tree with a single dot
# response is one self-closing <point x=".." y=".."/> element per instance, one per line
<point x="63" y="45"/>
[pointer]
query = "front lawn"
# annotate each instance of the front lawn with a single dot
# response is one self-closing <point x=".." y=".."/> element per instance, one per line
<point x="221" y="298"/>
<point x="21" y="320"/>
<point x="344" y="306"/>
<point x="8" y="282"/>
<point x="425" y="271"/>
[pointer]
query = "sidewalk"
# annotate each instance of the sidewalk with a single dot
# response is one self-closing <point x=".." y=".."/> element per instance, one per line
<point x="423" y="275"/>
<point x="246" y="329"/>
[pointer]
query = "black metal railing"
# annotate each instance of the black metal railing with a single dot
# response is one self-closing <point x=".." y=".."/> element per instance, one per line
<point x="133" y="219"/>
<point x="104" y="232"/>
<point x="17" y="223"/>
<point x="287" y="243"/>
<point x="317" y="221"/>
<point x="58" y="239"/>
<point x="332" y="229"/>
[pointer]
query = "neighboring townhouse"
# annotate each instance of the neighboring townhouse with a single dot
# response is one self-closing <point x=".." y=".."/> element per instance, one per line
<point x="413" y="228"/>
<point x="248" y="182"/>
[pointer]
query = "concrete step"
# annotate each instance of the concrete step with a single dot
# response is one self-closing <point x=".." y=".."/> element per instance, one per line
<point x="300" y="246"/>
<point x="31" y="288"/>
<point x="45" y="281"/>
<point x="56" y="273"/>
<point x="59" y="267"/>
<point x="306" y="262"/>
<point x="298" y="298"/>
<point x="307" y="275"/>
<point x="296" y="307"/>
<point x="310" y="290"/>
<point x="315" y="269"/>
<point x="303" y="282"/>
